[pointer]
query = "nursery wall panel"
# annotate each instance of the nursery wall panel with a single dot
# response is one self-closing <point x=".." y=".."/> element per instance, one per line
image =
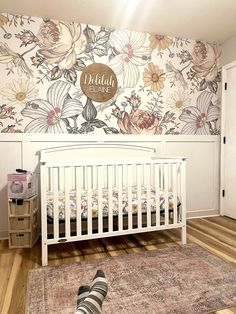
<point x="202" y="154"/>
<point x="168" y="96"/>
<point x="166" y="85"/>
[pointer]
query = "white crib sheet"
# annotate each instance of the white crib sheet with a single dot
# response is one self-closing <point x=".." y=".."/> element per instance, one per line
<point x="105" y="207"/>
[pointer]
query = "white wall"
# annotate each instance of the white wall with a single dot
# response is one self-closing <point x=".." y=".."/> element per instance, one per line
<point x="228" y="51"/>
<point x="202" y="153"/>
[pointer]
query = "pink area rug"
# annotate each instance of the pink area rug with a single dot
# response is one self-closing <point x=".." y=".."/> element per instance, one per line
<point x="184" y="280"/>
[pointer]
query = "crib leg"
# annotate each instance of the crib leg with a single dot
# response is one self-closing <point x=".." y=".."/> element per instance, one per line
<point x="44" y="254"/>
<point x="184" y="235"/>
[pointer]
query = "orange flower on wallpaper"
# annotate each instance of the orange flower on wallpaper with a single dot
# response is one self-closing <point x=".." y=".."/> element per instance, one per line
<point x="3" y="20"/>
<point x="159" y="41"/>
<point x="153" y="77"/>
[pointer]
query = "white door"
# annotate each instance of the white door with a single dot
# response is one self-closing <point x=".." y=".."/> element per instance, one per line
<point x="228" y="141"/>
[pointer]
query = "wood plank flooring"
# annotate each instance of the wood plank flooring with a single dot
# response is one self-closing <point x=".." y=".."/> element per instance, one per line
<point x="216" y="234"/>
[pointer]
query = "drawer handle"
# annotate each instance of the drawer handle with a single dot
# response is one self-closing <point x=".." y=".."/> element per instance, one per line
<point x="19" y="219"/>
<point x="20" y="235"/>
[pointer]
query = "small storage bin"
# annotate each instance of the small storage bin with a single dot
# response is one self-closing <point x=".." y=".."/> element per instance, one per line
<point x="23" y="222"/>
<point x="20" y="239"/>
<point x="19" y="223"/>
<point x="19" y="207"/>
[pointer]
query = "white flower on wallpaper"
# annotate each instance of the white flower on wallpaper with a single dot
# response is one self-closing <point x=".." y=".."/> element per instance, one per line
<point x="178" y="101"/>
<point x="176" y="76"/>
<point x="49" y="116"/>
<point x="166" y="85"/>
<point x="19" y="91"/>
<point x="60" y="43"/>
<point x="131" y="53"/>
<point x="200" y="119"/>
<point x="14" y="60"/>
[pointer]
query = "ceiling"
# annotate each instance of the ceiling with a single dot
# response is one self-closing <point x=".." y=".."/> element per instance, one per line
<point x="208" y="20"/>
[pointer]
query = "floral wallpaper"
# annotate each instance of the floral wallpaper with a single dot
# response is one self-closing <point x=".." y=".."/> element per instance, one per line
<point x="166" y="85"/>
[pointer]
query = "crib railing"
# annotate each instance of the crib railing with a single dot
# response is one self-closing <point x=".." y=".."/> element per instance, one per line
<point x="155" y="177"/>
<point x="138" y="189"/>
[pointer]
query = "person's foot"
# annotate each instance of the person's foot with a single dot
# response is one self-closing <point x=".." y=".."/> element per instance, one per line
<point x="92" y="304"/>
<point x="83" y="292"/>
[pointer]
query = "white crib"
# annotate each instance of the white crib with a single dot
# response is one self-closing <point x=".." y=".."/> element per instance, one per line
<point x="101" y="190"/>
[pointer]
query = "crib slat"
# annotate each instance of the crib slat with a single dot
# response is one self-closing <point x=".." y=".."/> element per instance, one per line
<point x="157" y="174"/>
<point x="89" y="199"/>
<point x="110" y="205"/>
<point x="95" y="177"/>
<point x="120" y="207"/>
<point x="162" y="177"/>
<point x="129" y="188"/>
<point x="166" y="192"/>
<point x="183" y="201"/>
<point x="79" y="178"/>
<point x="179" y="189"/>
<point x="100" y="205"/>
<point x="174" y="174"/>
<point x="61" y="179"/>
<point x="44" y="173"/>
<point x="67" y="181"/>
<point x="148" y="183"/>
<point x="54" y="178"/>
<point x="139" y="195"/>
<point x="50" y="186"/>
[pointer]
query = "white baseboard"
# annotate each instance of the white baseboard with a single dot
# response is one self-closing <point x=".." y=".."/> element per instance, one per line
<point x="203" y="213"/>
<point x="3" y="235"/>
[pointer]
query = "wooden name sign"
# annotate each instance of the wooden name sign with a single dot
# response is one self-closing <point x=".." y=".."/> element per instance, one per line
<point x="98" y="82"/>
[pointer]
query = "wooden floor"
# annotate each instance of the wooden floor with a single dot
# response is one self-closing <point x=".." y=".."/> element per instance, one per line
<point x="217" y="234"/>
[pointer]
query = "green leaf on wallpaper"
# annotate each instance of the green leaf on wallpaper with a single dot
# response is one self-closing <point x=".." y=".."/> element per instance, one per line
<point x="212" y="85"/>
<point x="89" y="47"/>
<point x="89" y="34"/>
<point x="70" y="75"/>
<point x="100" y="50"/>
<point x="203" y="85"/>
<point x="98" y="123"/>
<point x="79" y="65"/>
<point x="110" y="130"/>
<point x="102" y="37"/>
<point x="56" y="73"/>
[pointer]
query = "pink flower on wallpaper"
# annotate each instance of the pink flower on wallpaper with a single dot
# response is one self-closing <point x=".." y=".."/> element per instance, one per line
<point x="199" y="118"/>
<point x="205" y="58"/>
<point x="60" y="43"/>
<point x="49" y="115"/>
<point x="131" y="53"/>
<point x="6" y="112"/>
<point x="139" y="122"/>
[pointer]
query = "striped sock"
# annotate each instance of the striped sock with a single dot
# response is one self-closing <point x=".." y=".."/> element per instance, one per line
<point x="92" y="304"/>
<point x="83" y="292"/>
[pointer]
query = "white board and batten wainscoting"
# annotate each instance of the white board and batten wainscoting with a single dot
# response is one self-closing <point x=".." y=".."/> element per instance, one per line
<point x="202" y="154"/>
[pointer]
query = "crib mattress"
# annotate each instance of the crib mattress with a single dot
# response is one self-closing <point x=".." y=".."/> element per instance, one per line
<point x="105" y="202"/>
